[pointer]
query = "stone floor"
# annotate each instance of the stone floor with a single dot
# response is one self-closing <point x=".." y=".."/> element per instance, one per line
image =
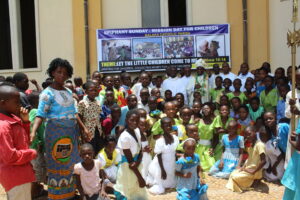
<point x="217" y="191"/>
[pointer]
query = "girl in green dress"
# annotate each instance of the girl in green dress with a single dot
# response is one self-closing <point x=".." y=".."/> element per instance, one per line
<point x="220" y="124"/>
<point x="206" y="133"/>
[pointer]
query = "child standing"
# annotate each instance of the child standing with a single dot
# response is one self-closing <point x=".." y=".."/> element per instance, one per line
<point x="144" y="96"/>
<point x="15" y="155"/>
<point x="129" y="144"/>
<point x="87" y="174"/>
<point x="162" y="168"/>
<point x="118" y="91"/>
<point x="108" y="103"/>
<point x="237" y="84"/>
<point x="280" y="108"/>
<point x="249" y="87"/>
<point x="39" y="164"/>
<point x="189" y="184"/>
<point x="206" y="133"/>
<point x="196" y="116"/>
<point x="232" y="153"/>
<point x="221" y="123"/>
<point x="235" y="105"/>
<point x="146" y="160"/>
<point x="216" y="93"/>
<point x="269" y="96"/>
<point x="227" y="83"/>
<point x="126" y="84"/>
<point x="78" y="87"/>
<point x="89" y="110"/>
<point x="242" y="179"/>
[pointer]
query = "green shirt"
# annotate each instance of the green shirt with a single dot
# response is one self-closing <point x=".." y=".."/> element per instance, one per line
<point x="242" y="96"/>
<point x="269" y="101"/>
<point x="256" y="114"/>
<point x="157" y="130"/>
<point x="40" y="134"/>
<point x="216" y="94"/>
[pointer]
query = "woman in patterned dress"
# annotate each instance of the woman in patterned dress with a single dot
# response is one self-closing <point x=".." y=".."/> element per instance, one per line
<point x="57" y="107"/>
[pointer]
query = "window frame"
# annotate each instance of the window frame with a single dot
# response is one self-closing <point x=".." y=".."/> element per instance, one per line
<point x="16" y="38"/>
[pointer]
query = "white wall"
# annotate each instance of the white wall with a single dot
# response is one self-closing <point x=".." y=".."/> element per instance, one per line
<point x="280" y="23"/>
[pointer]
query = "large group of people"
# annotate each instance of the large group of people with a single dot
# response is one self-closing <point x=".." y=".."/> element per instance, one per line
<point x="110" y="136"/>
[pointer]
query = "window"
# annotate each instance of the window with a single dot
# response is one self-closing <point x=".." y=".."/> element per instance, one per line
<point x="5" y="40"/>
<point x="157" y="13"/>
<point x="151" y="13"/>
<point x="177" y="13"/>
<point x="27" y="12"/>
<point x="18" y="49"/>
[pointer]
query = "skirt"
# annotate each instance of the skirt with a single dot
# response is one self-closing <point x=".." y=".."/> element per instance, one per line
<point x="61" y="139"/>
<point x="127" y="185"/>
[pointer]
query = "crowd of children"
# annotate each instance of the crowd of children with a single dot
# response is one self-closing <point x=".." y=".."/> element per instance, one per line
<point x="111" y="135"/>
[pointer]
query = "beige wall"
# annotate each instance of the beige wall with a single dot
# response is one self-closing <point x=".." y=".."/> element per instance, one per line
<point x="121" y="13"/>
<point x="55" y="35"/>
<point x="280" y="23"/>
<point x="214" y="12"/>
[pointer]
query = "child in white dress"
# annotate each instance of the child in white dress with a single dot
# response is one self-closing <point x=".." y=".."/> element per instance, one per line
<point x="130" y="183"/>
<point x="161" y="173"/>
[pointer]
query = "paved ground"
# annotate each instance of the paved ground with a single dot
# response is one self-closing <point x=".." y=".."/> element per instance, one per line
<point x="217" y="191"/>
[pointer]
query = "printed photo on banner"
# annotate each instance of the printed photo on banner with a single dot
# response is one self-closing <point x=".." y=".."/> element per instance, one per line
<point x="116" y="49"/>
<point x="210" y="46"/>
<point x="179" y="47"/>
<point x="147" y="48"/>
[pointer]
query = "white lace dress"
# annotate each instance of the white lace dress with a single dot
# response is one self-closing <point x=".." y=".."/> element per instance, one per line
<point x="154" y="179"/>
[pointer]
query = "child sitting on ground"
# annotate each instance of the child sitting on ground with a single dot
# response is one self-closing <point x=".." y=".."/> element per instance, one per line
<point x="87" y="174"/>
<point x="242" y="179"/>
<point x="232" y="153"/>
<point x="190" y="185"/>
<point x="110" y="157"/>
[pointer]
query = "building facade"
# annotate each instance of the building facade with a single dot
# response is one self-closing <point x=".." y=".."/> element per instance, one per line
<point x="35" y="32"/>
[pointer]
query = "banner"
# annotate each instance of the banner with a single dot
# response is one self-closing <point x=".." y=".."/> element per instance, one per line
<point x="154" y="49"/>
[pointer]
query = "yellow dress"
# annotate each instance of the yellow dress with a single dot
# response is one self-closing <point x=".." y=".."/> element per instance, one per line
<point x="239" y="181"/>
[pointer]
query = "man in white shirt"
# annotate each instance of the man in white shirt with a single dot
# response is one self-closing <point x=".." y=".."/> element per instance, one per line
<point x="189" y="82"/>
<point x="212" y="78"/>
<point x="244" y="74"/>
<point x="174" y="83"/>
<point x="227" y="74"/>
<point x="144" y="83"/>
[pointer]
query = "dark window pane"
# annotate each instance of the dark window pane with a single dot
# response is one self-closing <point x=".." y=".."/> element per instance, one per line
<point x="151" y="13"/>
<point x="177" y="13"/>
<point x="5" y="41"/>
<point x="28" y="33"/>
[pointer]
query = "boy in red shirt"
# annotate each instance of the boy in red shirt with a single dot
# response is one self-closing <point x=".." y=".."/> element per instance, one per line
<point x="16" y="173"/>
